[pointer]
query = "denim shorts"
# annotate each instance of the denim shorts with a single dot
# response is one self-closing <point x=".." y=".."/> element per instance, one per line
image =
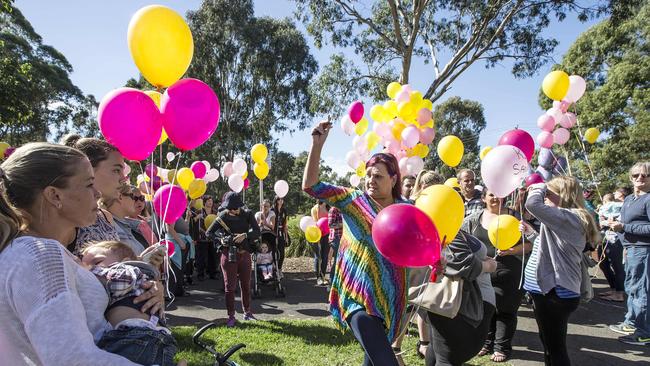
<point x="141" y="345"/>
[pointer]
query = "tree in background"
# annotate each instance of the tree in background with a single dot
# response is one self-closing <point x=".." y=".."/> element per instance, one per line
<point x="389" y="35"/>
<point x="38" y="100"/>
<point x="463" y="118"/>
<point x="614" y="58"/>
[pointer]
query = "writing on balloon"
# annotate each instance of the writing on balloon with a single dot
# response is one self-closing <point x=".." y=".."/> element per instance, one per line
<point x="519" y="168"/>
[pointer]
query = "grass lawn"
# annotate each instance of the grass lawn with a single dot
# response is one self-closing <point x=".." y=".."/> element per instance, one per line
<point x="288" y="342"/>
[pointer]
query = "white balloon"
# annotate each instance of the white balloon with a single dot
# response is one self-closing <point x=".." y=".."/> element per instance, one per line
<point x="347" y="125"/>
<point x="402" y="164"/>
<point x="355" y="180"/>
<point x="239" y="166"/>
<point x="382" y="129"/>
<point x="236" y="183"/>
<point x="414" y="165"/>
<point x="211" y="175"/>
<point x="207" y="164"/>
<point x="227" y="169"/>
<point x="306" y="221"/>
<point x="281" y="188"/>
<point x="359" y="144"/>
<point x="577" y="87"/>
<point x="170" y="156"/>
<point x="503" y="169"/>
<point x="353" y="159"/>
<point x="127" y="169"/>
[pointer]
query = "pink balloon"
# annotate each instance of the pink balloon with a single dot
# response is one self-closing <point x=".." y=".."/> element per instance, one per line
<point x="410" y="136"/>
<point x="407" y="88"/>
<point x="520" y="139"/>
<point x="546" y="122"/>
<point x="406" y="236"/>
<point x="323" y="226"/>
<point x="355" y="111"/>
<point x="169" y="245"/>
<point x="503" y="169"/>
<point x="424" y="116"/>
<point x="562" y="105"/>
<point x="427" y="135"/>
<point x="561" y="136"/>
<point x="227" y="169"/>
<point x="199" y="169"/>
<point x="169" y="202"/>
<point x="545" y="139"/>
<point x="402" y="96"/>
<point x="568" y="120"/>
<point x="247" y="183"/>
<point x="151" y="170"/>
<point x="191" y="111"/>
<point x="577" y="87"/>
<point x="556" y="113"/>
<point x="130" y="120"/>
<point x="534" y="178"/>
<point x="381" y="129"/>
<point x="156" y="183"/>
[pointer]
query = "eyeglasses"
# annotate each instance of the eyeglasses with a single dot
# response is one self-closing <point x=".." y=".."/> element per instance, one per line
<point x="636" y="175"/>
<point x="136" y="198"/>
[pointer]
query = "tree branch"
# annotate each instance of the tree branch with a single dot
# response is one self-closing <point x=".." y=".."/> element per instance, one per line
<point x="350" y="10"/>
<point x="396" y="25"/>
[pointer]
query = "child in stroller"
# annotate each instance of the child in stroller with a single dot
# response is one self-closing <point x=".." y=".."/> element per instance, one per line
<point x="265" y="262"/>
<point x="267" y="273"/>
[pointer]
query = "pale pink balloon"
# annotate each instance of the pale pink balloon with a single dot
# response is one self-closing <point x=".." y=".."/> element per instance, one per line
<point x="347" y="126"/>
<point x="355" y="111"/>
<point x="353" y="159"/>
<point x="561" y="136"/>
<point x="381" y="129"/>
<point x="562" y="105"/>
<point x="504" y="168"/>
<point x="556" y="113"/>
<point x="545" y="139"/>
<point x="577" y="87"/>
<point x="227" y="169"/>
<point x="414" y="165"/>
<point x="568" y="120"/>
<point x="403" y="96"/>
<point x="424" y="116"/>
<point x="546" y="122"/>
<point x="410" y="136"/>
<point x="407" y="88"/>
<point x="402" y="163"/>
<point x="400" y="154"/>
<point x="427" y="135"/>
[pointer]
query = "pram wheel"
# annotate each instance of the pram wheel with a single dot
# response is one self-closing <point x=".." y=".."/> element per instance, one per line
<point x="257" y="293"/>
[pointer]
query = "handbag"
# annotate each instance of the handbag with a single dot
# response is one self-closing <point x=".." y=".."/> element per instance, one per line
<point x="442" y="298"/>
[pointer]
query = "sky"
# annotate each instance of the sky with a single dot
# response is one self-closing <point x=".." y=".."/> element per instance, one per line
<point x="92" y="36"/>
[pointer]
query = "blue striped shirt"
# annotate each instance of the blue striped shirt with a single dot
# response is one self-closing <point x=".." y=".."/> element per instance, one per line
<point x="530" y="279"/>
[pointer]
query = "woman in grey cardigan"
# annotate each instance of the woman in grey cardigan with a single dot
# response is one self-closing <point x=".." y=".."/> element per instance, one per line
<point x="553" y="273"/>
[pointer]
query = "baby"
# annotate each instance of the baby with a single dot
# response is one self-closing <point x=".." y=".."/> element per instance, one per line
<point x="609" y="211"/>
<point x="265" y="262"/>
<point x="135" y="335"/>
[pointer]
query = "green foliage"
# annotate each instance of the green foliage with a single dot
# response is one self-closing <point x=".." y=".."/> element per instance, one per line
<point x="614" y="58"/>
<point x="464" y="119"/>
<point x="38" y="100"/>
<point x="387" y="35"/>
<point x="299" y="246"/>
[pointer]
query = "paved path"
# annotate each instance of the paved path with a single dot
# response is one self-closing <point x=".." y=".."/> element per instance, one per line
<point x="589" y="340"/>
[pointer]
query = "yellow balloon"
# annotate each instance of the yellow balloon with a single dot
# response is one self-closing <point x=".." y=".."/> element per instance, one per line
<point x="147" y="197"/>
<point x="426" y="103"/>
<point x="397" y="129"/>
<point x="430" y="124"/>
<point x="372" y="139"/>
<point x="261" y="170"/>
<point x="259" y="153"/>
<point x="377" y="113"/>
<point x="184" y="177"/>
<point x="421" y="150"/>
<point x="313" y="234"/>
<point x="445" y="208"/>
<point x="390" y="107"/>
<point x="406" y="111"/>
<point x="245" y="175"/>
<point x="361" y="127"/>
<point x="163" y="137"/>
<point x="416" y="97"/>
<point x="556" y="84"/>
<point x="209" y="220"/>
<point x="450" y="150"/>
<point x="198" y="204"/>
<point x="170" y="176"/>
<point x="161" y="44"/>
<point x="361" y="170"/>
<point x="392" y="89"/>
<point x="3" y="147"/>
<point x="591" y="135"/>
<point x="452" y="182"/>
<point x="503" y="232"/>
<point x="155" y="96"/>
<point x="197" y="188"/>
<point x="484" y="151"/>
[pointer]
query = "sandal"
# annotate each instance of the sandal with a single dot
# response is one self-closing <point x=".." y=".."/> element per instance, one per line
<point x="484" y="351"/>
<point x="417" y="347"/>
<point x="499" y="357"/>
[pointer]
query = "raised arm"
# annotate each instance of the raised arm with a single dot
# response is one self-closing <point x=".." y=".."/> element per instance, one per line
<point x="312" y="169"/>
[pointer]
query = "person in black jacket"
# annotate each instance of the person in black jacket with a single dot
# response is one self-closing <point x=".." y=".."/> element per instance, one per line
<point x="236" y="229"/>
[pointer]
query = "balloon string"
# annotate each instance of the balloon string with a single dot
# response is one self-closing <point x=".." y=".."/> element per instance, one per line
<point x="584" y="150"/>
<point x="422" y="288"/>
<point x="523" y="246"/>
<point x="496" y="244"/>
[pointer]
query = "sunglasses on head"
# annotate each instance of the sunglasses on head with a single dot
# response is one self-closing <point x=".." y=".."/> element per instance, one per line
<point x="636" y="175"/>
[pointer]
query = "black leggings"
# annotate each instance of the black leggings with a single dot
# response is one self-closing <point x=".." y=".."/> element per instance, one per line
<point x="552" y="315"/>
<point x="612" y="265"/>
<point x="455" y="341"/>
<point x="505" y="281"/>
<point x="370" y="332"/>
<point x="282" y="244"/>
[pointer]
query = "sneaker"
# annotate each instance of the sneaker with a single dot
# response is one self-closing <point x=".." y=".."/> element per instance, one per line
<point x="249" y="316"/>
<point x="635" y="340"/>
<point x="319" y="282"/>
<point x="231" y="322"/>
<point x="622" y="328"/>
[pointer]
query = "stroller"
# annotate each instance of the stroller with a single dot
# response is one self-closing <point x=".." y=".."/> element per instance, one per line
<point x="276" y="280"/>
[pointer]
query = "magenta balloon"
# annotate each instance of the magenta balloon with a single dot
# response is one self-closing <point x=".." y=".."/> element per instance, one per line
<point x="561" y="136"/>
<point x="130" y="121"/>
<point x="545" y="139"/>
<point x="406" y="236"/>
<point x="151" y="170"/>
<point x="247" y="183"/>
<point x="521" y="139"/>
<point x="169" y="245"/>
<point x="355" y="111"/>
<point x="427" y="135"/>
<point x="546" y="122"/>
<point x="534" y="178"/>
<point x="323" y="226"/>
<point x="199" y="169"/>
<point x="169" y="202"/>
<point x="191" y="111"/>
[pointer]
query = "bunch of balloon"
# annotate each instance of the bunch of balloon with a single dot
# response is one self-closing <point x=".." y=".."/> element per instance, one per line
<point x="259" y="153"/>
<point x="236" y="172"/>
<point x="5" y="150"/>
<point x="403" y="126"/>
<point x="311" y="229"/>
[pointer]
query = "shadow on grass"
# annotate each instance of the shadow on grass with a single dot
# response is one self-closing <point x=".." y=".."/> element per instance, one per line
<point x="259" y="358"/>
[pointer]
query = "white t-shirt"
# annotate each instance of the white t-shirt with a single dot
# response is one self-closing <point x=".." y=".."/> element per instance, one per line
<point x="51" y="308"/>
<point x="269" y="220"/>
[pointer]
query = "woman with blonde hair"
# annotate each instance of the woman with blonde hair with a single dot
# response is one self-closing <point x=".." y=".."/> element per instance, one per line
<point x="553" y="274"/>
<point x="425" y="179"/>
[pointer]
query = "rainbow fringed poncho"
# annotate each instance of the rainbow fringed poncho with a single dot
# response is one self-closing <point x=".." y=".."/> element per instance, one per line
<point x="363" y="278"/>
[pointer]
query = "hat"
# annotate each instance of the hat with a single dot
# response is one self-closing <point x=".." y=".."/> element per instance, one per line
<point x="231" y="201"/>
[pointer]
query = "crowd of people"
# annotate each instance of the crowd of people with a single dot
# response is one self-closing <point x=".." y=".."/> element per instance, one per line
<point x="76" y="238"/>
